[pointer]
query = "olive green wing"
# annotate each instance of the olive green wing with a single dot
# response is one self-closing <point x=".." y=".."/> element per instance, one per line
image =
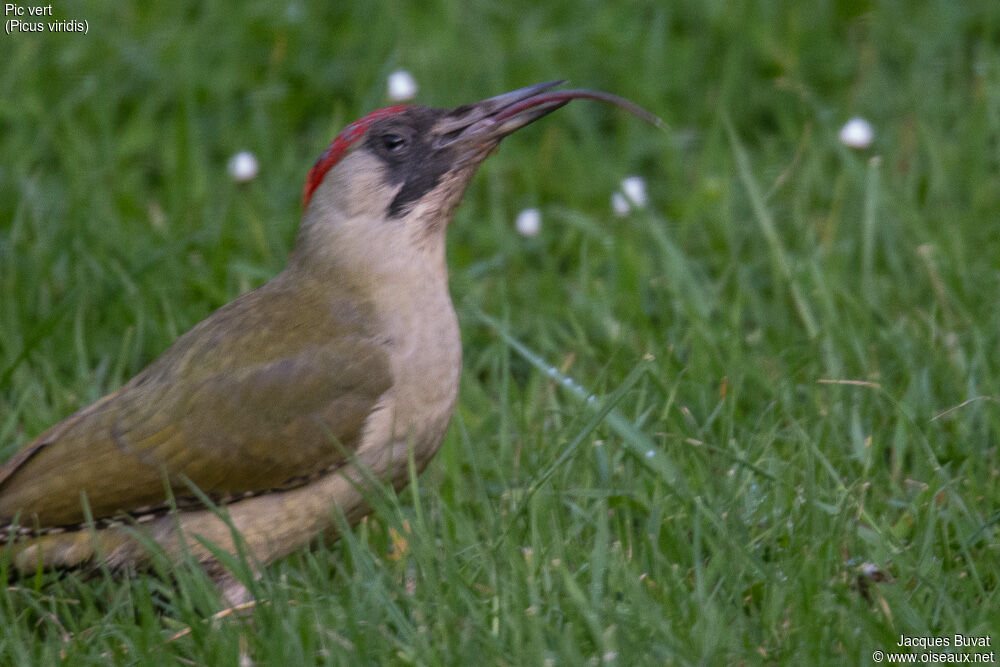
<point x="235" y="430"/>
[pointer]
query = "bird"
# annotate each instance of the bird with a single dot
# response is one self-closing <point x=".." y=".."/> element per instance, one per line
<point x="277" y="410"/>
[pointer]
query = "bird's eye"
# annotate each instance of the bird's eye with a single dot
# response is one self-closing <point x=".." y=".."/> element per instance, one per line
<point x="393" y="142"/>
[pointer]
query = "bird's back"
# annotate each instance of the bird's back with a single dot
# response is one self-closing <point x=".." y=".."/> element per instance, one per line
<point x="266" y="393"/>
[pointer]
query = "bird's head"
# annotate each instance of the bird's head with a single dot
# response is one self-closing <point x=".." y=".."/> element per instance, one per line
<point x="392" y="179"/>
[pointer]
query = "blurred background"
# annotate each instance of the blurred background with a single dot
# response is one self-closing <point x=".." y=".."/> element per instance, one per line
<point x="815" y="302"/>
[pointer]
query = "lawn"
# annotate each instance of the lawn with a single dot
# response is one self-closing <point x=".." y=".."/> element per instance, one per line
<point x="754" y="421"/>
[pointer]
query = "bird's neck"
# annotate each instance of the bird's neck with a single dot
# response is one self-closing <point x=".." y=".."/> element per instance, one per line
<point x="397" y="267"/>
<point x="403" y="277"/>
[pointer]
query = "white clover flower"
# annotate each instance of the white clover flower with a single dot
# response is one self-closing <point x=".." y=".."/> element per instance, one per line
<point x="243" y="167"/>
<point x="529" y="222"/>
<point x="401" y="86"/>
<point x="857" y="133"/>
<point x="619" y="205"/>
<point x="634" y="188"/>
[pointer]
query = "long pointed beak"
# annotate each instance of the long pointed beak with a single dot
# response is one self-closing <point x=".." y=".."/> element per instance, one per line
<point x="485" y="123"/>
<point x="477" y="123"/>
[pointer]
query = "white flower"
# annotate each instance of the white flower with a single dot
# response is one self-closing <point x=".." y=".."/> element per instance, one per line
<point x="619" y="205"/>
<point x="529" y="222"/>
<point x="857" y="133"/>
<point x="402" y="87"/>
<point x="243" y="167"/>
<point x="634" y="188"/>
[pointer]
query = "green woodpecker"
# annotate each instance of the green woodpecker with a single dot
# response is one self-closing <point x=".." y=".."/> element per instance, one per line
<point x="347" y="361"/>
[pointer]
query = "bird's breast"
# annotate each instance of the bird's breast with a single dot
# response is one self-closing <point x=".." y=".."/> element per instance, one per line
<point x="426" y="366"/>
<point x="425" y="351"/>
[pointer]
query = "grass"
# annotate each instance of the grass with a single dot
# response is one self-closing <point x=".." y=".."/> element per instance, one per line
<point x="791" y="454"/>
